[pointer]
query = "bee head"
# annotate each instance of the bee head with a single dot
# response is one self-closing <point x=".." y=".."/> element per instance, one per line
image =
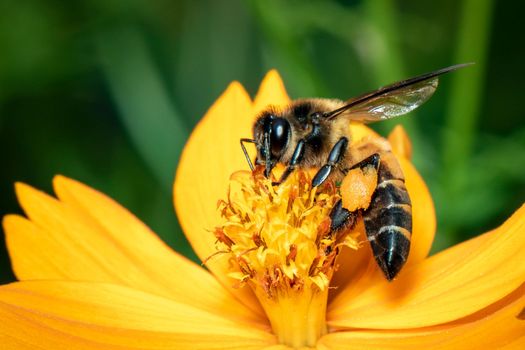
<point x="272" y="135"/>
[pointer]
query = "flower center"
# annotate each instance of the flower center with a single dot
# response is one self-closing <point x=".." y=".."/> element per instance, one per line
<point x="279" y="242"/>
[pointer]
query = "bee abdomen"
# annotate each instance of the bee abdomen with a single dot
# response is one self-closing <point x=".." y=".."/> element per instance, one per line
<point x="388" y="223"/>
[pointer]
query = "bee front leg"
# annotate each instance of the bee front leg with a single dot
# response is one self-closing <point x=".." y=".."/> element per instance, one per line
<point x="297" y="157"/>
<point x="335" y="156"/>
<point x="246" y="155"/>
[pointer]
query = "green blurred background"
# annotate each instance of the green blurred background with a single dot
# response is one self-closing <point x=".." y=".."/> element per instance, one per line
<point x="107" y="92"/>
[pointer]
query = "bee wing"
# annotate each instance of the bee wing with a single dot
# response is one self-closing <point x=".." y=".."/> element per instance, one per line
<point x="392" y="100"/>
<point x="394" y="103"/>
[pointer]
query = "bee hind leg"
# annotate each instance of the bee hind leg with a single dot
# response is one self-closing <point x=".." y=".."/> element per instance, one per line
<point x="372" y="161"/>
<point x="342" y="218"/>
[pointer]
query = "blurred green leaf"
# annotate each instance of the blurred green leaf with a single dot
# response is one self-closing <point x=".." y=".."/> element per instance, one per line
<point x="467" y="85"/>
<point x="466" y="91"/>
<point x="386" y="62"/>
<point x="215" y="47"/>
<point x="285" y="46"/>
<point x="145" y="108"/>
<point x="486" y="184"/>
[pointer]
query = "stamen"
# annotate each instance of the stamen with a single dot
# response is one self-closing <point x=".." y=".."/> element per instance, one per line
<point x="279" y="242"/>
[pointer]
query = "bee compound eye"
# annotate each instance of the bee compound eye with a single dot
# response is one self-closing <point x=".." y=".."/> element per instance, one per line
<point x="279" y="136"/>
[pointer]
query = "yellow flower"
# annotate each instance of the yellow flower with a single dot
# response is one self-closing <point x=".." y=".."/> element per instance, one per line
<point x="92" y="276"/>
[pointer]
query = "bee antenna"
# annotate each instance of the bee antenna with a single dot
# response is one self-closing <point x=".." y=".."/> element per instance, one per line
<point x="246" y="152"/>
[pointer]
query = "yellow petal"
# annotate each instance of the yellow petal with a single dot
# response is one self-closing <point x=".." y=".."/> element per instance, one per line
<point x="79" y="315"/>
<point x="211" y="154"/>
<point x="285" y="347"/>
<point x="423" y="213"/>
<point x="271" y="92"/>
<point x="500" y="329"/>
<point x="88" y="237"/>
<point x="400" y="142"/>
<point x="359" y="131"/>
<point x="445" y="287"/>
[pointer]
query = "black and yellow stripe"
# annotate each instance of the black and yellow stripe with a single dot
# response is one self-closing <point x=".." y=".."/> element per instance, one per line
<point x="388" y="222"/>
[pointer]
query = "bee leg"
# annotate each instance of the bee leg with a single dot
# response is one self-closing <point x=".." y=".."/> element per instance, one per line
<point x="335" y="156"/>
<point x="388" y="219"/>
<point x="297" y="157"/>
<point x="372" y="161"/>
<point x="341" y="217"/>
<point x="246" y="155"/>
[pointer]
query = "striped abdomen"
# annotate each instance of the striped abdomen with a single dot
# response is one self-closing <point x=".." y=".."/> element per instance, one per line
<point x="388" y="220"/>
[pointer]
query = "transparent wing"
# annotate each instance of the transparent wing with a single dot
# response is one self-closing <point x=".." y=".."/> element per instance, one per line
<point x="392" y="100"/>
<point x="394" y="103"/>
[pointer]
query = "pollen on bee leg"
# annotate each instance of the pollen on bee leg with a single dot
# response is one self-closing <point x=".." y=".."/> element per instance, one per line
<point x="279" y="244"/>
<point x="357" y="188"/>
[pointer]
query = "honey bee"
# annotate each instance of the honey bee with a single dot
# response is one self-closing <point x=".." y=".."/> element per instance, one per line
<point x="314" y="133"/>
